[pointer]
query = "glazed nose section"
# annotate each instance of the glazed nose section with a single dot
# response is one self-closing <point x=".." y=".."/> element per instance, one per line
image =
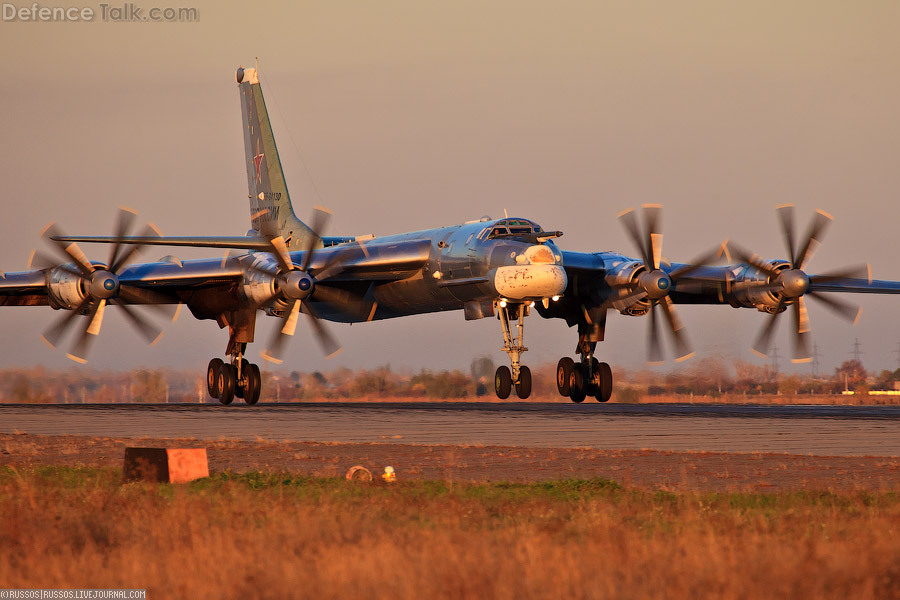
<point x="536" y="275"/>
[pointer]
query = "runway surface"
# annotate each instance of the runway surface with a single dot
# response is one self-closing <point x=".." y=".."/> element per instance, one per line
<point x="821" y="430"/>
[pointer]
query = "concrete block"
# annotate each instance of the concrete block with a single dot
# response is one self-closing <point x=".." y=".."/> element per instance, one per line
<point x="167" y="465"/>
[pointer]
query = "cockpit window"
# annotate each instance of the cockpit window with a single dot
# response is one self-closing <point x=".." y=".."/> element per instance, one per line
<point x="514" y="227"/>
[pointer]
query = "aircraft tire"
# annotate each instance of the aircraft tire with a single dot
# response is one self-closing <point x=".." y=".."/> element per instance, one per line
<point x="604" y="390"/>
<point x="225" y="383"/>
<point x="239" y="389"/>
<point x="577" y="385"/>
<point x="503" y="382"/>
<point x="523" y="388"/>
<point x="254" y="384"/>
<point x="212" y="373"/>
<point x="563" y="374"/>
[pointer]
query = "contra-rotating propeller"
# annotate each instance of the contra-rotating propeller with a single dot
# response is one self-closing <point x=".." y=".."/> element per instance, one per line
<point x="298" y="286"/>
<point x="654" y="284"/>
<point x="100" y="286"/>
<point x="792" y="284"/>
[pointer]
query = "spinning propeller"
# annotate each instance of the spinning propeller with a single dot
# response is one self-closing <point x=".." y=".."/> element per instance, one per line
<point x="654" y="284"/>
<point x="298" y="286"/>
<point x="791" y="285"/>
<point x="100" y="286"/>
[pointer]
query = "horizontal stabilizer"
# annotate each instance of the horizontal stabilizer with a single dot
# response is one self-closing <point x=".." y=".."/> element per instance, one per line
<point x="238" y="242"/>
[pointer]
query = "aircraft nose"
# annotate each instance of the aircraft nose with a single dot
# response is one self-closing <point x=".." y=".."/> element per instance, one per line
<point x="525" y="282"/>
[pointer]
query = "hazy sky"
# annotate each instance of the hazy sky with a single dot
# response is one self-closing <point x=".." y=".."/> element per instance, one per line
<point x="415" y="114"/>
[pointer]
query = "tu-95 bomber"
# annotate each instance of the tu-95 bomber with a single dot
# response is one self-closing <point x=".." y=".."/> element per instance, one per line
<point x="500" y="268"/>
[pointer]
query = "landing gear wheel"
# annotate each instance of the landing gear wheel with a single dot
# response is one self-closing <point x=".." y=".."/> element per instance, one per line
<point x="563" y="374"/>
<point x="225" y="383"/>
<point x="523" y="388"/>
<point x="578" y="384"/>
<point x="503" y="382"/>
<point x="253" y="384"/>
<point x="604" y="390"/>
<point x="592" y="388"/>
<point x="239" y="389"/>
<point x="212" y="373"/>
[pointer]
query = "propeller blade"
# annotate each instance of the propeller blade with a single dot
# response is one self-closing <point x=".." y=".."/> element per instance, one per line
<point x="682" y="347"/>
<point x="325" y="339"/>
<point x="150" y="332"/>
<point x="281" y="335"/>
<point x="786" y="218"/>
<point x="654" y="345"/>
<point x="801" y="339"/>
<point x="764" y="340"/>
<point x="280" y="251"/>
<point x="857" y="272"/>
<point x="319" y="222"/>
<point x="345" y="301"/>
<point x="134" y="249"/>
<point x="82" y="347"/>
<point x="629" y="221"/>
<point x="847" y="311"/>
<point x="754" y="260"/>
<point x="820" y="222"/>
<point x="41" y="261"/>
<point x="652" y="213"/>
<point x="289" y="327"/>
<point x="70" y="251"/>
<point x="701" y="261"/>
<point x="55" y="332"/>
<point x="335" y="265"/>
<point x="631" y="297"/>
<point x="126" y="218"/>
<point x="96" y="322"/>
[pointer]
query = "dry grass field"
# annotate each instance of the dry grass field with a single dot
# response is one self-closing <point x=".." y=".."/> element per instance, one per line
<point x="255" y="535"/>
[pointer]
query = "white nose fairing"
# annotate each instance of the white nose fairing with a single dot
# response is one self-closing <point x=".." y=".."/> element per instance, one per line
<point x="536" y="276"/>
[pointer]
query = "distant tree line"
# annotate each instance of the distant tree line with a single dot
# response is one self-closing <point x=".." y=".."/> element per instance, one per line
<point x="708" y="377"/>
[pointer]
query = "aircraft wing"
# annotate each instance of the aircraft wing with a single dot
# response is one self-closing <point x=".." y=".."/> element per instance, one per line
<point x="857" y="286"/>
<point x="372" y="262"/>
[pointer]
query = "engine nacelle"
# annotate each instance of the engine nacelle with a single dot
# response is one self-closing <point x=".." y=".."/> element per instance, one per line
<point x="747" y="288"/>
<point x="621" y="273"/>
<point x="258" y="287"/>
<point x="65" y="289"/>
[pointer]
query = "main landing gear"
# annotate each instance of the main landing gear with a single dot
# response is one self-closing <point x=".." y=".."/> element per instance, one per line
<point x="241" y="378"/>
<point x="519" y="376"/>
<point x="589" y="377"/>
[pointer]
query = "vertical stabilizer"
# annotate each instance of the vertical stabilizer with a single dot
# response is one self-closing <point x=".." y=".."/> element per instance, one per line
<point x="271" y="213"/>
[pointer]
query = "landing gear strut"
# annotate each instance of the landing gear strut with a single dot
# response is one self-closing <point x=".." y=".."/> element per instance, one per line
<point x="240" y="378"/>
<point x="518" y="375"/>
<point x="589" y="377"/>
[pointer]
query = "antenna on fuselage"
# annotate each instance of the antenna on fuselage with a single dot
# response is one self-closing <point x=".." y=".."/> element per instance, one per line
<point x="505" y="214"/>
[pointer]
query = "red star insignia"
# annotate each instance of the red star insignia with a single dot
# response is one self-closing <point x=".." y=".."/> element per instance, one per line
<point x="257" y="160"/>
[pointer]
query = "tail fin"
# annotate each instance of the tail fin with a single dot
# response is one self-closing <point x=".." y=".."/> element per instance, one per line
<point x="271" y="213"/>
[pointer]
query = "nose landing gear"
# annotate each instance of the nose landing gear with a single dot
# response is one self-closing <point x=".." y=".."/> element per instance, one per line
<point x="518" y="375"/>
